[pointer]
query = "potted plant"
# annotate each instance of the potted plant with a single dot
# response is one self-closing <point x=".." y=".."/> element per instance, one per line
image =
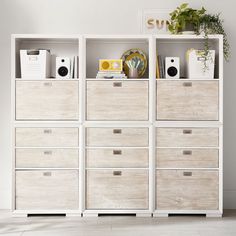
<point x="185" y="19"/>
<point x="202" y="23"/>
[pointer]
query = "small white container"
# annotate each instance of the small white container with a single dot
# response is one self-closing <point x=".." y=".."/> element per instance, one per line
<point x="35" y="64"/>
<point x="197" y="67"/>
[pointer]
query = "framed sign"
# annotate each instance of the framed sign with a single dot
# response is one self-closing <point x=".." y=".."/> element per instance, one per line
<point x="155" y="21"/>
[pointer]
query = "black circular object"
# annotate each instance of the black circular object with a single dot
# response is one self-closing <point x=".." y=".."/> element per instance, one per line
<point x="63" y="71"/>
<point x="172" y="71"/>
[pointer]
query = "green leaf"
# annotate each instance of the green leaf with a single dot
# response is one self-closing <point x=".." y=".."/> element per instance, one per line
<point x="184" y="5"/>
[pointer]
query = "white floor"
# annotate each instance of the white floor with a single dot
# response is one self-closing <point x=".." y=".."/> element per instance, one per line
<point x="118" y="226"/>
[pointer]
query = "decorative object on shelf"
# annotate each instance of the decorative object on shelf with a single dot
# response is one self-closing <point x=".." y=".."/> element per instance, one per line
<point x="133" y="68"/>
<point x="155" y="21"/>
<point x="172" y="68"/>
<point x="135" y="55"/>
<point x="111" y="69"/>
<point x="35" y="63"/>
<point x="195" y="61"/>
<point x="202" y="23"/>
<point x="63" y="67"/>
<point x="110" y="65"/>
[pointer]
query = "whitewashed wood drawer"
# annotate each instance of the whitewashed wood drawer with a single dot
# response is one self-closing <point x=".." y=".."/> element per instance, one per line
<point x="116" y="157"/>
<point x="187" y="137"/>
<point x="187" y="190"/>
<point x="190" y="100"/>
<point x="47" y="158"/>
<point x="187" y="158"/>
<point x="52" y="100"/>
<point x="117" y="189"/>
<point x="117" y="100"/>
<point x="108" y="137"/>
<point x="45" y="190"/>
<point x="47" y="137"/>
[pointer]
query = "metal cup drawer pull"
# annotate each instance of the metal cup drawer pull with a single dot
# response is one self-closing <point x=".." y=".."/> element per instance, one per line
<point x="187" y="152"/>
<point x="47" y="131"/>
<point x="47" y="152"/>
<point x="47" y="173"/>
<point x="117" y="131"/>
<point x="48" y="84"/>
<point x="117" y="84"/>
<point x="187" y="131"/>
<point x="117" y="173"/>
<point x="187" y="84"/>
<point x="117" y="152"/>
<point x="187" y="173"/>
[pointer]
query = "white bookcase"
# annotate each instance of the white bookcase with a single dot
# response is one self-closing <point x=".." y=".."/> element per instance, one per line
<point x="145" y="146"/>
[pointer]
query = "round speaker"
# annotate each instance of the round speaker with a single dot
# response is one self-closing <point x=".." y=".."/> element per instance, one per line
<point x="172" y="71"/>
<point x="63" y="71"/>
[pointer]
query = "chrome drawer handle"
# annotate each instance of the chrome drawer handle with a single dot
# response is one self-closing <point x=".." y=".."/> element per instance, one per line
<point x="187" y="131"/>
<point x="48" y="84"/>
<point x="187" y="152"/>
<point x="47" y="152"/>
<point x="187" y="174"/>
<point x="47" y="131"/>
<point x="47" y="173"/>
<point x="117" y="152"/>
<point x="117" y="84"/>
<point x="187" y="84"/>
<point x="117" y="131"/>
<point x="117" y="173"/>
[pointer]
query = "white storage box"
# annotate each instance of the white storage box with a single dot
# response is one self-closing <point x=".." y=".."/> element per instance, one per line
<point x="35" y="63"/>
<point x="197" y="68"/>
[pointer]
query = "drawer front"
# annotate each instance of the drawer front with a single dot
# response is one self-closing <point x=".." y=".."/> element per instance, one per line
<point x="47" y="158"/>
<point x="57" y="189"/>
<point x="108" y="137"/>
<point x="47" y="137"/>
<point x="117" y="100"/>
<point x="54" y="100"/>
<point x="187" y="137"/>
<point x="195" y="100"/>
<point x="108" y="189"/>
<point x="187" y="190"/>
<point x="117" y="157"/>
<point x="187" y="158"/>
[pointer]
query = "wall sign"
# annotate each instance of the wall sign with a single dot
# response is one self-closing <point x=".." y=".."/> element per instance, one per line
<point x="155" y="21"/>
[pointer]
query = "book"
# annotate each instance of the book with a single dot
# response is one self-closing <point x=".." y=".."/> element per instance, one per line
<point x="157" y="67"/>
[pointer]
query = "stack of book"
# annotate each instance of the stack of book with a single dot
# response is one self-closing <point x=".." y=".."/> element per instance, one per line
<point x="160" y="67"/>
<point x="111" y="75"/>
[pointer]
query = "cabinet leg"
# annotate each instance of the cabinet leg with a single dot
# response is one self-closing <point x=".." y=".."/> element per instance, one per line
<point x="161" y="215"/>
<point x="212" y="215"/>
<point x="143" y="215"/>
<point x="90" y="214"/>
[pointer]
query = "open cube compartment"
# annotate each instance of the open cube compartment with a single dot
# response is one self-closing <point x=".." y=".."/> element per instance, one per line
<point x="112" y="48"/>
<point x="178" y="46"/>
<point x="58" y="46"/>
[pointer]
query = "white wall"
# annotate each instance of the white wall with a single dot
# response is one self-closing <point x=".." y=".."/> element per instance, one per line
<point x="103" y="17"/>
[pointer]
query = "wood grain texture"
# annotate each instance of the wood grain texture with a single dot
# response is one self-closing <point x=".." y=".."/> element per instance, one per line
<point x="187" y="158"/>
<point x="128" y="101"/>
<point x="45" y="190"/>
<point x="54" y="100"/>
<point x="187" y="137"/>
<point x="47" y="158"/>
<point x="175" y="101"/>
<point x="108" y="191"/>
<point x="175" y="191"/>
<point x="117" y="157"/>
<point x="47" y="137"/>
<point x="109" y="137"/>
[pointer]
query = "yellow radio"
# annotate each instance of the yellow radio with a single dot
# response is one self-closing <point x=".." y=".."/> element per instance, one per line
<point x="110" y="65"/>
